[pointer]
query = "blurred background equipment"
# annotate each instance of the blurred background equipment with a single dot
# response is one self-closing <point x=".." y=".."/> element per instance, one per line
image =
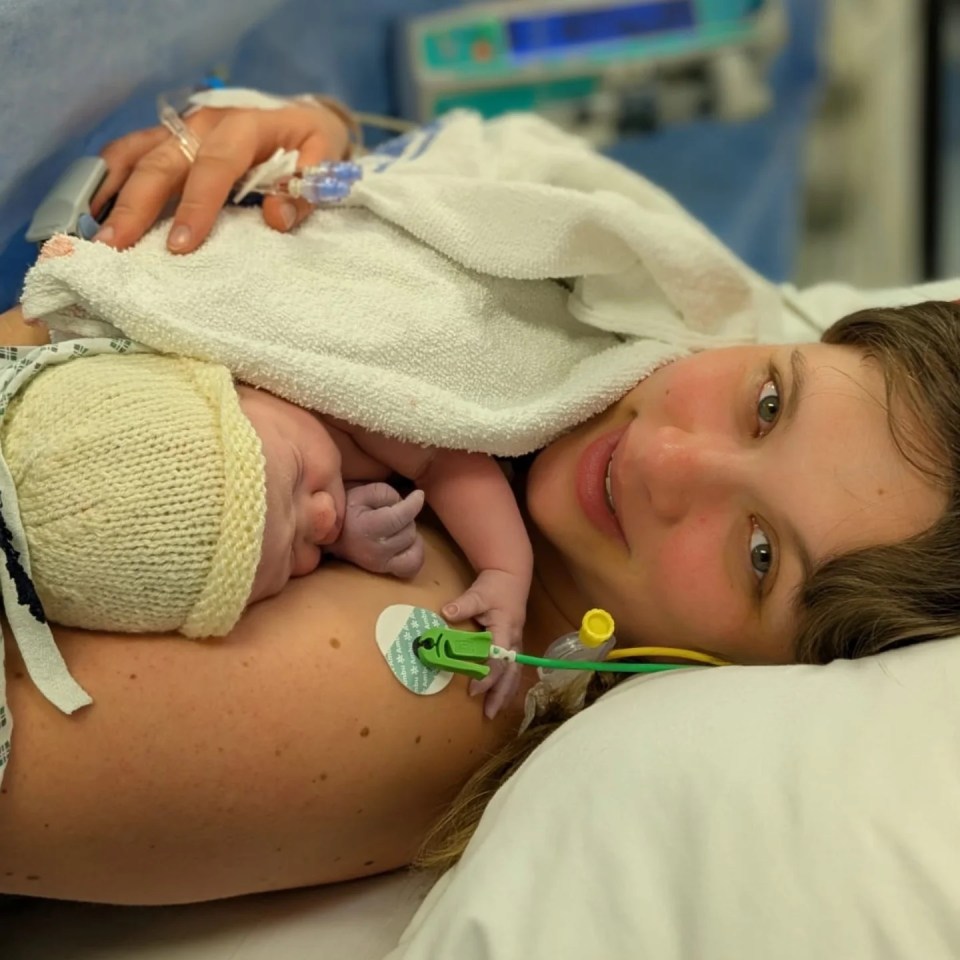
<point x="941" y="126"/>
<point x="864" y="216"/>
<point x="711" y="99"/>
<point x="817" y="139"/>
<point x="595" y="67"/>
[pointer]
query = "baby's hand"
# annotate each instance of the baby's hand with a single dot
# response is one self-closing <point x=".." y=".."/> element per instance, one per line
<point x="498" y="601"/>
<point x="379" y="533"/>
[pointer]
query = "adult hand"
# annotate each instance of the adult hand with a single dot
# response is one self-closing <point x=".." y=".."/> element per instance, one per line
<point x="147" y="169"/>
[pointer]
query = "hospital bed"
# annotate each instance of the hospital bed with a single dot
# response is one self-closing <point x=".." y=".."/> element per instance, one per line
<point x="835" y="804"/>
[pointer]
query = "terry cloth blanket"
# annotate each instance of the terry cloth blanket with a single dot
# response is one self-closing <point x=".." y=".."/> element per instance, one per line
<point x="486" y="286"/>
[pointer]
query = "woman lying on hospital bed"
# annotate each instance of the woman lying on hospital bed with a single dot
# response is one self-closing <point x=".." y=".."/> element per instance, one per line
<point x="765" y="504"/>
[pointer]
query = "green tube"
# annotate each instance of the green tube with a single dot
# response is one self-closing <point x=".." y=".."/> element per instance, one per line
<point x="605" y="666"/>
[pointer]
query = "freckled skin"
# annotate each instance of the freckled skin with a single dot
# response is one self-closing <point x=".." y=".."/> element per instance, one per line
<point x="300" y="698"/>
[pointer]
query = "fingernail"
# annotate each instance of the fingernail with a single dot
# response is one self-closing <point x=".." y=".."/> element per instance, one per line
<point x="179" y="237"/>
<point x="288" y="214"/>
<point x="451" y="610"/>
<point x="87" y="227"/>
<point x="105" y="235"/>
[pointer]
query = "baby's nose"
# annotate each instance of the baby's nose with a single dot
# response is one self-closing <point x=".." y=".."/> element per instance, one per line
<point x="322" y="522"/>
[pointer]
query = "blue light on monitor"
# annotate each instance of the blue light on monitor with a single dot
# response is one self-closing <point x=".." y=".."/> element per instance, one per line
<point x="536" y="34"/>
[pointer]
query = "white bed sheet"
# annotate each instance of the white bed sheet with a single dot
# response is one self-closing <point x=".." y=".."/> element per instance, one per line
<point x="361" y="920"/>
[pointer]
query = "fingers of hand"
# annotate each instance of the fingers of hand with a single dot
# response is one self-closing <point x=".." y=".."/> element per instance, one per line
<point x="407" y="563"/>
<point x="502" y="691"/>
<point x="405" y="512"/>
<point x="499" y="686"/>
<point x="372" y="495"/>
<point x="121" y="156"/>
<point x="155" y="177"/>
<point x="226" y="153"/>
<point x="506" y="628"/>
<point x="285" y="213"/>
<point x="467" y="606"/>
<point x="387" y="540"/>
<point x="477" y="688"/>
<point x="147" y="169"/>
<point x="394" y="518"/>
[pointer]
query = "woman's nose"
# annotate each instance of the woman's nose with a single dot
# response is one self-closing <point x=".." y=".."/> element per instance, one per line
<point x="681" y="469"/>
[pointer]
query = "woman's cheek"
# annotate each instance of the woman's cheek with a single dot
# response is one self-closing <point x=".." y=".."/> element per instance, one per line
<point x="693" y="584"/>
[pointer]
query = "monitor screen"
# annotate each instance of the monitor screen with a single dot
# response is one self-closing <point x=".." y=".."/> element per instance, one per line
<point x="546" y="32"/>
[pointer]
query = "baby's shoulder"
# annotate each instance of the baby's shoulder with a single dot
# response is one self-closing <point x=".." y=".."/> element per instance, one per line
<point x="373" y="456"/>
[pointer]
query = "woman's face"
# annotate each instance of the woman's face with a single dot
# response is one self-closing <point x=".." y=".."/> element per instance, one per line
<point x="731" y="473"/>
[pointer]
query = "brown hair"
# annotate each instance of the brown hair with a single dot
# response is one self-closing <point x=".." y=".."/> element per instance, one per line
<point x="852" y="605"/>
<point x="880" y="597"/>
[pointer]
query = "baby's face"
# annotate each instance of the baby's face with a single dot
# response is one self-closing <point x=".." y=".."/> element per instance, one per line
<point x="305" y="493"/>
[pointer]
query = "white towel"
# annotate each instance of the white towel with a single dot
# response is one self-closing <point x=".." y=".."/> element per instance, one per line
<point x="429" y="306"/>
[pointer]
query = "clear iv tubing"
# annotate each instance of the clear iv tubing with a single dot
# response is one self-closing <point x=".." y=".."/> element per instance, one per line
<point x="324" y="182"/>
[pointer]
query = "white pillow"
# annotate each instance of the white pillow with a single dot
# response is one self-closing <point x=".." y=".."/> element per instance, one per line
<point x="726" y="814"/>
<point x="808" y="312"/>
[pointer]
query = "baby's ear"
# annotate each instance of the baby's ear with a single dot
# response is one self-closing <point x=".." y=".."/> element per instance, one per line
<point x="59" y="245"/>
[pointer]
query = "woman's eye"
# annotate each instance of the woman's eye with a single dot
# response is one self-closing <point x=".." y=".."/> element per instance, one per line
<point x="761" y="552"/>
<point x="768" y="403"/>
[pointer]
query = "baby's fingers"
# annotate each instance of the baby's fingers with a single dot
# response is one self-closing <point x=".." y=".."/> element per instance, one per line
<point x="503" y="690"/>
<point x="499" y="686"/>
<point x="397" y="543"/>
<point x="477" y="688"/>
<point x="466" y="607"/>
<point x="407" y="563"/>
<point x="372" y="495"/>
<point x="406" y="511"/>
<point x="389" y="521"/>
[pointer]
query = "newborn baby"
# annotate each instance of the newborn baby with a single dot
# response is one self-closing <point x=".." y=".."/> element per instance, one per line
<point x="157" y="495"/>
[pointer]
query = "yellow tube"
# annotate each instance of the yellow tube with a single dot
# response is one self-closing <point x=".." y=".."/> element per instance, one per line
<point x="676" y="653"/>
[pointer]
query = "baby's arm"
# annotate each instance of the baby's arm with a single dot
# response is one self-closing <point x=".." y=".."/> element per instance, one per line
<point x="472" y="498"/>
<point x="474" y="502"/>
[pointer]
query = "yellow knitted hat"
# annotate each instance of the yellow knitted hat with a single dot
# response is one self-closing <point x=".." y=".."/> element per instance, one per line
<point x="142" y="493"/>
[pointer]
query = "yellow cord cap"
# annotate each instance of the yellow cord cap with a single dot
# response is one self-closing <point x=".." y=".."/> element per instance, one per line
<point x="596" y="628"/>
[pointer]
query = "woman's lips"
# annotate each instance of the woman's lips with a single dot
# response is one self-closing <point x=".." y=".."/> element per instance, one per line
<point x="591" y="476"/>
